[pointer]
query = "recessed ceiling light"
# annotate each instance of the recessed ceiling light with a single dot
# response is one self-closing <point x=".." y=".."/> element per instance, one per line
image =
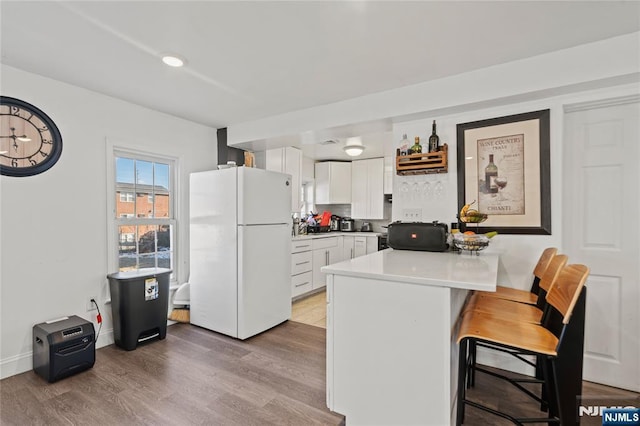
<point x="173" y="60"/>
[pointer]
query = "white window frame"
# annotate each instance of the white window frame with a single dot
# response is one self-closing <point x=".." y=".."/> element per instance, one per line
<point x="114" y="222"/>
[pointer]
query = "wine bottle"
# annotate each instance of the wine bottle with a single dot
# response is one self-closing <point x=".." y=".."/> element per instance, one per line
<point x="490" y="174"/>
<point x="404" y="145"/>
<point x="434" y="140"/>
<point x="416" y="148"/>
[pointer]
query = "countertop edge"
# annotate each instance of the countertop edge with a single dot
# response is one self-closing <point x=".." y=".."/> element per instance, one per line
<point x="358" y="268"/>
<point x="410" y="280"/>
<point x="335" y="234"/>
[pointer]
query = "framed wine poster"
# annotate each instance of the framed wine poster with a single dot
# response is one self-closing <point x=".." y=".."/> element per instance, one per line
<point x="503" y="169"/>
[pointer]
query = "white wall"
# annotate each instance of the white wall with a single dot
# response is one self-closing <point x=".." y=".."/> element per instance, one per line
<point x="54" y="225"/>
<point x="518" y="253"/>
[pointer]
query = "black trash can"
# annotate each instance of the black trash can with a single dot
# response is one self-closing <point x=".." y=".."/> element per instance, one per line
<point x="139" y="304"/>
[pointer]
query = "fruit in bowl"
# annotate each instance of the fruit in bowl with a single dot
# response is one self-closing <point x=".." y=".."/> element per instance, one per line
<point x="469" y="215"/>
<point x="471" y="242"/>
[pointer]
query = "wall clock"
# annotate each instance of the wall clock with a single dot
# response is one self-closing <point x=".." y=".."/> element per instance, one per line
<point x="30" y="142"/>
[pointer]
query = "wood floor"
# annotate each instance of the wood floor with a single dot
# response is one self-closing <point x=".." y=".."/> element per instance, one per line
<point x="193" y="376"/>
<point x="198" y="377"/>
<point x="311" y="310"/>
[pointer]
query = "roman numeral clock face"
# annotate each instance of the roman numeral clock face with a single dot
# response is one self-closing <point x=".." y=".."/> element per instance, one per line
<point x="30" y="142"/>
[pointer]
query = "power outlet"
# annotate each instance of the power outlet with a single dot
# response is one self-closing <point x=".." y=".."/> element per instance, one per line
<point x="90" y="304"/>
<point x="412" y="215"/>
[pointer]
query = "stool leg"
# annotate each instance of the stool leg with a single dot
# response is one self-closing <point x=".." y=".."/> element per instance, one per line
<point x="550" y="387"/>
<point x="472" y="364"/>
<point x="462" y="372"/>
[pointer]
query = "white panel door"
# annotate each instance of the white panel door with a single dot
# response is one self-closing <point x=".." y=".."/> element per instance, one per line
<point x="264" y="277"/>
<point x="600" y="222"/>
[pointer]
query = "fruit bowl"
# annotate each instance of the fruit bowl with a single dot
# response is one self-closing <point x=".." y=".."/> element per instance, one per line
<point x="474" y="218"/>
<point x="471" y="243"/>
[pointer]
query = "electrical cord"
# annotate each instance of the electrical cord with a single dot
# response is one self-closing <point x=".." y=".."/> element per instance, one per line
<point x="98" y="318"/>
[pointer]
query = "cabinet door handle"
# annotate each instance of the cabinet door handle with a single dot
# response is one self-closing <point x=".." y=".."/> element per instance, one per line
<point x="352" y="253"/>
<point x="301" y="284"/>
<point x="326" y="257"/>
<point x="302" y="263"/>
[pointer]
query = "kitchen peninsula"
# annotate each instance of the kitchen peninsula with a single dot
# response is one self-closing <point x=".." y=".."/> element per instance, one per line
<point x="391" y="325"/>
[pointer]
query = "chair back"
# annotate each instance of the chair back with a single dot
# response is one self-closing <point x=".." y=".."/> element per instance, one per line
<point x="549" y="277"/>
<point x="544" y="261"/>
<point x="553" y="270"/>
<point x="538" y="271"/>
<point x="564" y="294"/>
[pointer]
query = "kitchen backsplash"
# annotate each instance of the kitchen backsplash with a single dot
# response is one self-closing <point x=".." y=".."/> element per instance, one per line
<point x="344" y="210"/>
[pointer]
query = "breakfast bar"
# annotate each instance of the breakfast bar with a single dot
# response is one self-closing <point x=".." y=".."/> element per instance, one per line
<point x="391" y="326"/>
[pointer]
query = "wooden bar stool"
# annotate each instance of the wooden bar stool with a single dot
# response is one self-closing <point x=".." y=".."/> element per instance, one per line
<point x="523" y="296"/>
<point x="515" y="310"/>
<point x="558" y="342"/>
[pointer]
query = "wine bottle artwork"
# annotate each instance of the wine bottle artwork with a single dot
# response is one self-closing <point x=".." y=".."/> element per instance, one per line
<point x="501" y="183"/>
<point x="490" y="174"/>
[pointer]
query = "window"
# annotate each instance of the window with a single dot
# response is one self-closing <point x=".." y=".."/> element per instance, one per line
<point x="126" y="197"/>
<point x="308" y="196"/>
<point x="145" y="224"/>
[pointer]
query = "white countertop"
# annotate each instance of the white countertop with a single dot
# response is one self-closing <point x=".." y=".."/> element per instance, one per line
<point x="334" y="234"/>
<point x="447" y="269"/>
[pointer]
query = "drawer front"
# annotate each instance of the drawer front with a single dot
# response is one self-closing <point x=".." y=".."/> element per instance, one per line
<point x="301" y="262"/>
<point x="321" y="243"/>
<point x="301" y="284"/>
<point x="298" y="246"/>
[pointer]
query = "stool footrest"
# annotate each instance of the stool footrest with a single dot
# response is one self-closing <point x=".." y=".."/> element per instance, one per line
<point x="516" y="382"/>
<point x="515" y="420"/>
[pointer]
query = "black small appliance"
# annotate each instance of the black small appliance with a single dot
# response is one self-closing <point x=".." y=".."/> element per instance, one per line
<point x="63" y="347"/>
<point x="431" y="236"/>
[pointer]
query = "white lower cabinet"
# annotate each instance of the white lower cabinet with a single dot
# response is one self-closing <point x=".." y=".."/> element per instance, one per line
<point x="325" y="252"/>
<point x="360" y="246"/>
<point x="301" y="267"/>
<point x="301" y="283"/>
<point x="348" y="247"/>
<point x="308" y="256"/>
<point x="372" y="244"/>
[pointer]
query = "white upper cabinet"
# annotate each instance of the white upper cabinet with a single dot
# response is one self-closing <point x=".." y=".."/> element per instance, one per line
<point x="367" y="185"/>
<point x="288" y="160"/>
<point x="388" y="175"/>
<point x="333" y="182"/>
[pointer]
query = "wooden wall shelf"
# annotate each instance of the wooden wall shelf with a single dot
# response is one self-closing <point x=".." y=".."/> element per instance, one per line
<point x="424" y="163"/>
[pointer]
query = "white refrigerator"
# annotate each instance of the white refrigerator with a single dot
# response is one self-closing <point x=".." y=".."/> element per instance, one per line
<point x="240" y="245"/>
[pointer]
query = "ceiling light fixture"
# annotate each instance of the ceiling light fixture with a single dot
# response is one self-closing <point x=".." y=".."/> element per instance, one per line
<point x="354" y="147"/>
<point x="173" y="60"/>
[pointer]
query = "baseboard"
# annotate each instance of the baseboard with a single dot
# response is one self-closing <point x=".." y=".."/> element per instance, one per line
<point x="16" y="364"/>
<point x="24" y="362"/>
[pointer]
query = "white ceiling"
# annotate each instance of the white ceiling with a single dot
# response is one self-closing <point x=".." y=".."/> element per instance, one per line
<point x="250" y="60"/>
